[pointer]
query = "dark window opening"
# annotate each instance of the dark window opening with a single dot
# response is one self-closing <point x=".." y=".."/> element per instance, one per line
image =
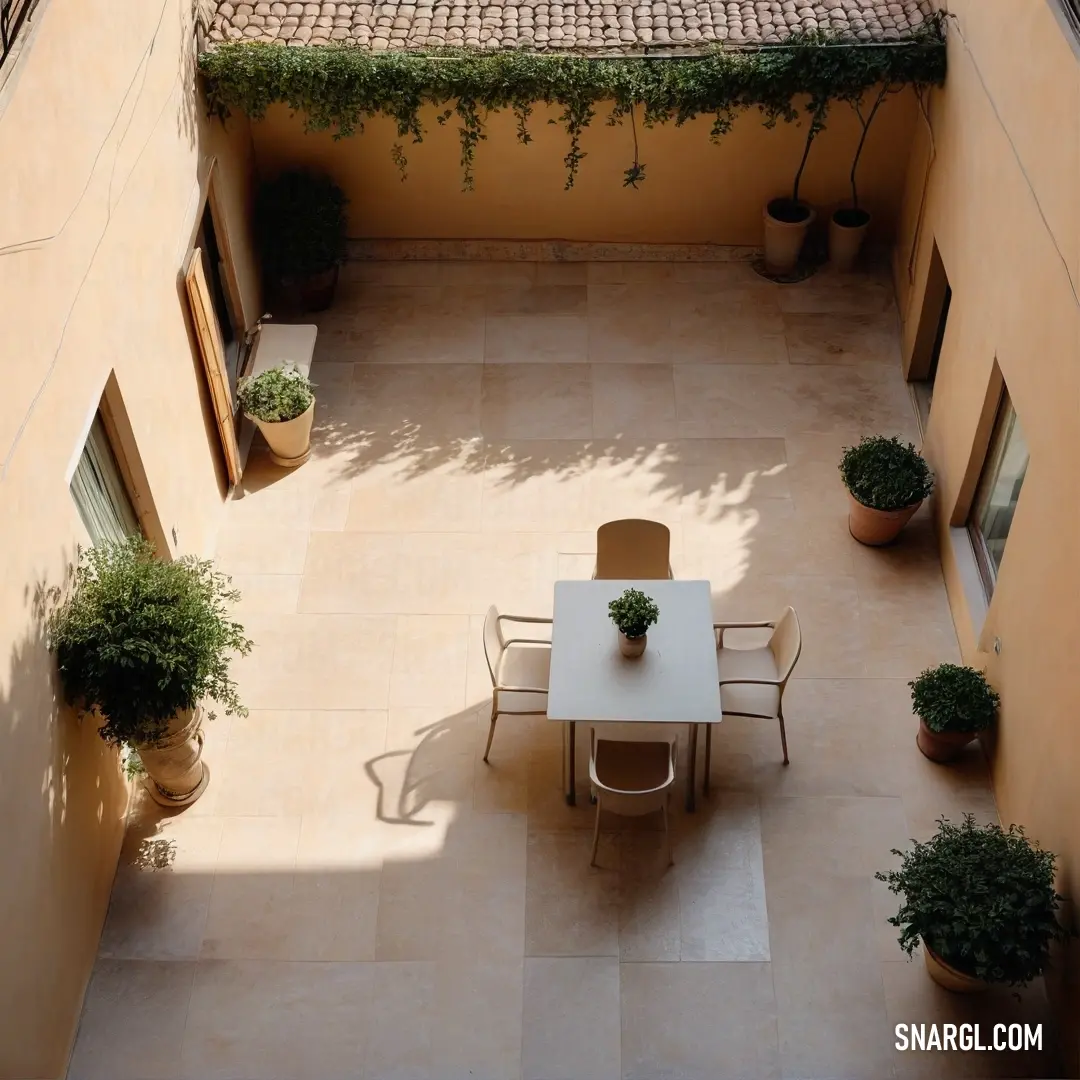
<point x="937" y="299"/>
<point x="215" y="276"/>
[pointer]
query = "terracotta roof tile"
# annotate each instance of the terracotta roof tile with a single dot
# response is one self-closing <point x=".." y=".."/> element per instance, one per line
<point x="543" y="25"/>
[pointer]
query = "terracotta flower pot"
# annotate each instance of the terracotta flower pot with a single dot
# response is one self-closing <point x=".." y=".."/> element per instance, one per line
<point x="176" y="775"/>
<point x="877" y="527"/>
<point x="942" y="746"/>
<point x="786" y="224"/>
<point x="303" y="294"/>
<point x="317" y="291"/>
<point x="632" y="646"/>
<point x="289" y="440"/>
<point x="847" y="231"/>
<point x="947" y="976"/>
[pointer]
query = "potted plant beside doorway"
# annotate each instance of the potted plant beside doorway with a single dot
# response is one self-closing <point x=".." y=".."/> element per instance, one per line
<point x="300" y="227"/>
<point x="982" y="902"/>
<point x="140" y="643"/>
<point x="281" y="402"/>
<point x="887" y="481"/>
<point x="954" y="705"/>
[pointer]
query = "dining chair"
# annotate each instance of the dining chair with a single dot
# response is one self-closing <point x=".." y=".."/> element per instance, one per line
<point x="631" y="779"/>
<point x="633" y="548"/>
<point x="518" y="667"/>
<point x="752" y="681"/>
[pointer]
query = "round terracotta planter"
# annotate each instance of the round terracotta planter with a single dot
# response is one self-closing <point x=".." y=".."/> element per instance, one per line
<point x="314" y="293"/>
<point x="847" y="231"/>
<point x="947" y="976"/>
<point x="176" y="774"/>
<point x="877" y="527"/>
<point x="289" y="440"/>
<point x="317" y="291"/>
<point x="632" y="647"/>
<point x="942" y="746"/>
<point x="785" y="233"/>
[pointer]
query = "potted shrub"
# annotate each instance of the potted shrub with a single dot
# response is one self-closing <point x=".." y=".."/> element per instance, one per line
<point x="788" y="218"/>
<point x="887" y="481"/>
<point x="953" y="704"/>
<point x="849" y="224"/>
<point x="300" y="228"/>
<point x="139" y="643"/>
<point x="281" y="402"/>
<point x="982" y="902"/>
<point x="633" y="613"/>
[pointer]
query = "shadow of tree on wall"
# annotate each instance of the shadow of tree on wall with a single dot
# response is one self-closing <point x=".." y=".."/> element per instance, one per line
<point x="62" y="802"/>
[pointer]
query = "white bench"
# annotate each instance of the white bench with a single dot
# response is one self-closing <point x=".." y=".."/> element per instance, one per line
<point x="276" y="344"/>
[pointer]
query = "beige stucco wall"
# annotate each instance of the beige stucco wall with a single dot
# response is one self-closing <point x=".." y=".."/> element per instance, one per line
<point x="694" y="191"/>
<point x="1002" y="204"/>
<point x="105" y="151"/>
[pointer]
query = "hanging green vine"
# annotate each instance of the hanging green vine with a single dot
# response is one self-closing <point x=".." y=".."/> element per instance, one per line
<point x="339" y="87"/>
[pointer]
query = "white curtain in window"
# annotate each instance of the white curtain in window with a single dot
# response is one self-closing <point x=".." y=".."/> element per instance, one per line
<point x="1001" y="490"/>
<point x="98" y="490"/>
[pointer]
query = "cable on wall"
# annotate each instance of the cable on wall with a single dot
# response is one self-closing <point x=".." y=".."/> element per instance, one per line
<point x="142" y="69"/>
<point x="1019" y="161"/>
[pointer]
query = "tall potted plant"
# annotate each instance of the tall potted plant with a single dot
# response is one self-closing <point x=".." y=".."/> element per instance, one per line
<point x="887" y="481"/>
<point x="300" y="228"/>
<point x="139" y="644"/>
<point x="281" y="402"/>
<point x="982" y="902"/>
<point x="633" y="613"/>
<point x="849" y="224"/>
<point x="954" y="704"/>
<point x="788" y="218"/>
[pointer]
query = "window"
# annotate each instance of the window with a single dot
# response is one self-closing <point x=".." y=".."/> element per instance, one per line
<point x="214" y="268"/>
<point x="13" y="15"/>
<point x="99" y="490"/>
<point x="1069" y="11"/>
<point x="997" y="494"/>
<point x="930" y="336"/>
<point x="926" y="387"/>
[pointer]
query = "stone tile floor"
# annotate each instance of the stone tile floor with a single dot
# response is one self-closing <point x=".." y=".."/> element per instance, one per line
<point x="359" y="895"/>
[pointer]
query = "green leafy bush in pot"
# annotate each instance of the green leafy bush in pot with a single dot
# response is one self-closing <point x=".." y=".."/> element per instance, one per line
<point x="633" y="613"/>
<point x="954" y="698"/>
<point x="276" y="395"/>
<point x="138" y="639"/>
<point x="300" y="225"/>
<point x="982" y="898"/>
<point x="886" y="474"/>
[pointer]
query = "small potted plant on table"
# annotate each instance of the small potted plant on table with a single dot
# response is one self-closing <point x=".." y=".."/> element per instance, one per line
<point x="954" y="704"/>
<point x="281" y="402"/>
<point x="982" y="902"/>
<point x="300" y="229"/>
<point x="139" y="643"/>
<point x="633" y="613"/>
<point x="887" y="481"/>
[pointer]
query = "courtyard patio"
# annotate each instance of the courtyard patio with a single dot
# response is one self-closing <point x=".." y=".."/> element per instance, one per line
<point x="359" y="895"/>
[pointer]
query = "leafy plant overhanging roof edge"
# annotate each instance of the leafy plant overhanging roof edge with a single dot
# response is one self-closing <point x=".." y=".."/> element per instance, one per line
<point x="339" y="87"/>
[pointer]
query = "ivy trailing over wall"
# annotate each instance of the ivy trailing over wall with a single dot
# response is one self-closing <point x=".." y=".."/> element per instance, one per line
<point x="339" y="87"/>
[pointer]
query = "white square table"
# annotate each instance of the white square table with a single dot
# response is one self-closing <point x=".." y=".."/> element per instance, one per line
<point x="675" y="681"/>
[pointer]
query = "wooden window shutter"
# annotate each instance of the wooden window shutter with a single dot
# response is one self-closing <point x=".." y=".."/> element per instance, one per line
<point x="213" y="354"/>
